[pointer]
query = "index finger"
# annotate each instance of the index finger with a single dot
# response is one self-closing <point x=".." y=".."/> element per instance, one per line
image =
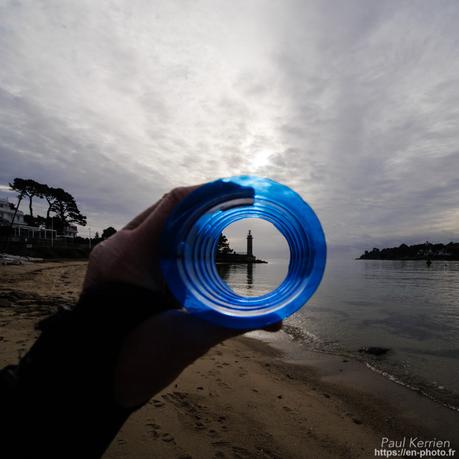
<point x="154" y="223"/>
<point x="135" y="222"/>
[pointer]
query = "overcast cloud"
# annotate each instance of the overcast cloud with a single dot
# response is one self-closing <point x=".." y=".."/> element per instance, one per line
<point x="354" y="104"/>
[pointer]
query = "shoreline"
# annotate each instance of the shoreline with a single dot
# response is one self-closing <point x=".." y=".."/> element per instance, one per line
<point x="349" y="371"/>
<point x="373" y="364"/>
<point x="259" y="395"/>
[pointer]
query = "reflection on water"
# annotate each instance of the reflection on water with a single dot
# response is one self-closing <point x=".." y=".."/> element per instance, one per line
<point x="253" y="279"/>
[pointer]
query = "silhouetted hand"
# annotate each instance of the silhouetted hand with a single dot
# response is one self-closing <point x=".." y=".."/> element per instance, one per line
<point x="132" y="254"/>
<point x="159" y="349"/>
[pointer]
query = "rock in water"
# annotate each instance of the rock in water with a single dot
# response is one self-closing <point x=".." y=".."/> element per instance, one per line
<point x="374" y="350"/>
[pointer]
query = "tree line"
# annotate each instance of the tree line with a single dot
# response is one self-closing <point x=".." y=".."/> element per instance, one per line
<point x="62" y="208"/>
<point x="428" y="250"/>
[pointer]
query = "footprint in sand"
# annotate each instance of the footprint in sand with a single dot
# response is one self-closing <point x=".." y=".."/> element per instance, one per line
<point x="221" y="444"/>
<point x="183" y="401"/>
<point x="167" y="437"/>
<point x="239" y="452"/>
<point x="155" y="429"/>
<point x="157" y="403"/>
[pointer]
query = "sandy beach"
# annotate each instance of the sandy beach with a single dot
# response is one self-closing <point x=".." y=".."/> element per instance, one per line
<point x="254" y="396"/>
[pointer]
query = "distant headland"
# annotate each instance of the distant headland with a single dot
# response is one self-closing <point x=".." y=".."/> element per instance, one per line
<point x="426" y="251"/>
<point x="225" y="254"/>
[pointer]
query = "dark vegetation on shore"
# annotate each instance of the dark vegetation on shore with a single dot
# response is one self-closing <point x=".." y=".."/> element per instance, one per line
<point x="426" y="251"/>
<point x="50" y="236"/>
<point x="62" y="209"/>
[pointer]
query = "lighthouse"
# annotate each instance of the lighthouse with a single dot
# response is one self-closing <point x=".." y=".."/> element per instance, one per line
<point x="249" y="244"/>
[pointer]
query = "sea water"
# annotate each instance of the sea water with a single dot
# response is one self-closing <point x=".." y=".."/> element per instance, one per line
<point x="405" y="306"/>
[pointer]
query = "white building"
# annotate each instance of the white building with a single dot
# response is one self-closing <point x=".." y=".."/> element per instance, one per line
<point x="70" y="231"/>
<point x="20" y="230"/>
<point x="7" y="213"/>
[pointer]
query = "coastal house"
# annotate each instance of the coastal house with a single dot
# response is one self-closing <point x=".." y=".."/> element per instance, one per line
<point x="20" y="231"/>
<point x="7" y="210"/>
<point x="70" y="232"/>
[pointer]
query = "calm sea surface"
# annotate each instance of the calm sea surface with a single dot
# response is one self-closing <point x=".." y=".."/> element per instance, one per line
<point x="402" y="305"/>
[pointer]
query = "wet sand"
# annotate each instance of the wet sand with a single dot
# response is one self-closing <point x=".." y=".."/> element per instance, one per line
<point x="245" y="398"/>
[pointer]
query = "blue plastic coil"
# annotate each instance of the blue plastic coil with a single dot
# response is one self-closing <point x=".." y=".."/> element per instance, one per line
<point x="189" y="245"/>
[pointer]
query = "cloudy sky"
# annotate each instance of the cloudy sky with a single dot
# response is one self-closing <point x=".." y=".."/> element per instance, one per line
<point x="354" y="104"/>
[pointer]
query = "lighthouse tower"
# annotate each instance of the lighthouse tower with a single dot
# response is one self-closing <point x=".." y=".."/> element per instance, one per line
<point x="249" y="244"/>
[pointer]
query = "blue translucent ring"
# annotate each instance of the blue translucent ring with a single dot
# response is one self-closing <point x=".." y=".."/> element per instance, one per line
<point x="189" y="244"/>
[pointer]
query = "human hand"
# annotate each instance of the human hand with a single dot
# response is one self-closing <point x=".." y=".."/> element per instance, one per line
<point x="155" y="352"/>
<point x="131" y="255"/>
